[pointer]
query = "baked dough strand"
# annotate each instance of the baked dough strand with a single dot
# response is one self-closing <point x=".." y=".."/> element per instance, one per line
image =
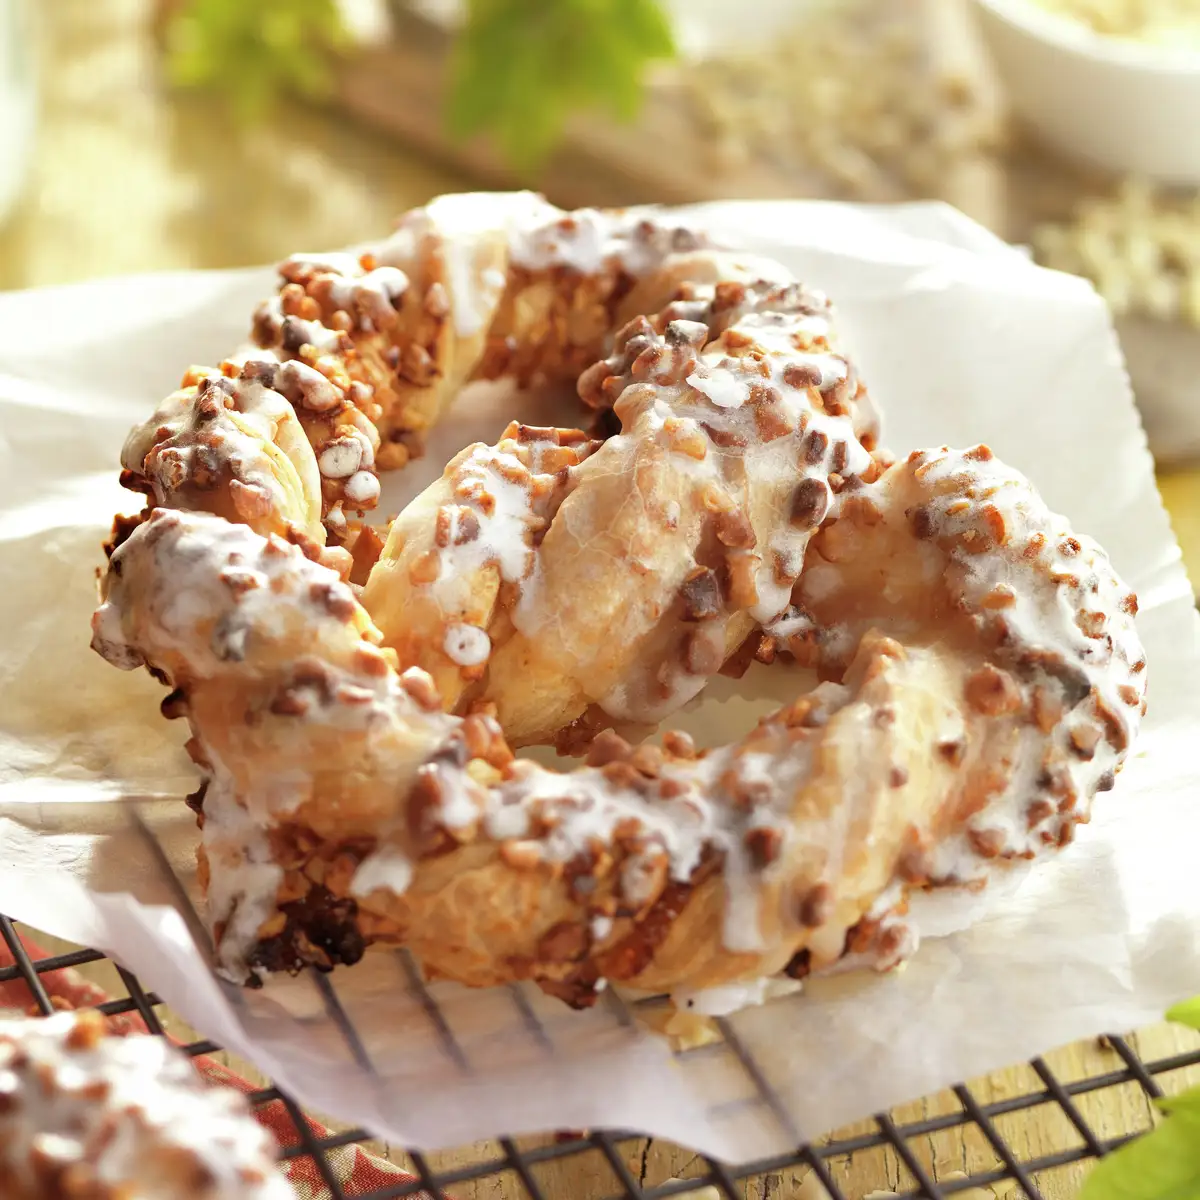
<point x="344" y="806"/>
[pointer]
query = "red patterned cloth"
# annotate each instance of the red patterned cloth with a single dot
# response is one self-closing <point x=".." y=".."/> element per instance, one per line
<point x="358" y="1172"/>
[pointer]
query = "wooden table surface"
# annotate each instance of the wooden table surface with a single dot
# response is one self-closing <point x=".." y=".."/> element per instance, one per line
<point x="128" y="179"/>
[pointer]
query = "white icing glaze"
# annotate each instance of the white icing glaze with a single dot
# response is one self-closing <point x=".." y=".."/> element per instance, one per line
<point x="588" y="240"/>
<point x="460" y="227"/>
<point x="724" y="389"/>
<point x="489" y="523"/>
<point x="369" y="290"/>
<point x="467" y="645"/>
<point x="721" y="1001"/>
<point x="243" y="874"/>
<point x="588" y="807"/>
<point x="504" y="532"/>
<point x="387" y="870"/>
<point x="726" y="383"/>
<point x="311" y="389"/>
<point x="628" y="700"/>
<point x="338" y="262"/>
<point x="473" y="302"/>
<point x="466" y="216"/>
<point x="129" y="1113"/>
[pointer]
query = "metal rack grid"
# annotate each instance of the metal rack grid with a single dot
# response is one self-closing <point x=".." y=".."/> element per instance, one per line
<point x="728" y="1180"/>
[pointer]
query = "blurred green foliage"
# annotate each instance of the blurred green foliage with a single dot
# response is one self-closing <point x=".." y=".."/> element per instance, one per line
<point x="520" y="68"/>
<point x="1164" y="1164"/>
<point x="249" y="50"/>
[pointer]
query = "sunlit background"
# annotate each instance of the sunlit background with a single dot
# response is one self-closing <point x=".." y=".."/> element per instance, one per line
<point x="142" y="135"/>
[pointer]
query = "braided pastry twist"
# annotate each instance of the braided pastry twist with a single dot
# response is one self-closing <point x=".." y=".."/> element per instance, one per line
<point x="983" y="677"/>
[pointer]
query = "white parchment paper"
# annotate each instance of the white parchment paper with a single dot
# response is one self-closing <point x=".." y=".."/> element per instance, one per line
<point x="961" y="340"/>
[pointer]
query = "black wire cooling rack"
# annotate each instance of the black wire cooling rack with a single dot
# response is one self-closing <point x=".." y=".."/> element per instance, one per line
<point x="729" y="1181"/>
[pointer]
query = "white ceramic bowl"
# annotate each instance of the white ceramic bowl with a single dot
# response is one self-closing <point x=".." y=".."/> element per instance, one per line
<point x="1126" y="106"/>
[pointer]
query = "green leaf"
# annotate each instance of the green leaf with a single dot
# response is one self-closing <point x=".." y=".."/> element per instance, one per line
<point x="1186" y="1104"/>
<point x="1163" y="1165"/>
<point x="520" y="68"/>
<point x="250" y="52"/>
<point x="1186" y="1013"/>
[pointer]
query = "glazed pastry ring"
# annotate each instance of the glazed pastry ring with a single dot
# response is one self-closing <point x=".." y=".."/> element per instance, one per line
<point x="353" y="703"/>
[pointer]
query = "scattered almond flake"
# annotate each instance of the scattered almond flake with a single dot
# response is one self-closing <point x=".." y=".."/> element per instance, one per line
<point x="386" y="870"/>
